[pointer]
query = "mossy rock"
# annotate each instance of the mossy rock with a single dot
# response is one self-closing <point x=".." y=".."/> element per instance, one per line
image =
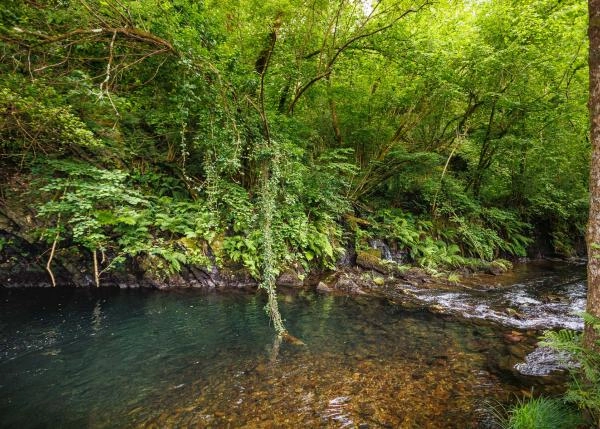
<point x="499" y="266"/>
<point x="216" y="245"/>
<point x="379" y="281"/>
<point x="354" y="222"/>
<point x="371" y="261"/>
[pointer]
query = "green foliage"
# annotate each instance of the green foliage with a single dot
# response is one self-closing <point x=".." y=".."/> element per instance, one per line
<point x="451" y="243"/>
<point x="399" y="226"/>
<point x="584" y="389"/>
<point x="542" y="413"/>
<point x="100" y="210"/>
<point x="305" y="209"/>
<point x="430" y="254"/>
<point x="38" y="123"/>
<point x="165" y="130"/>
<point x="245" y="249"/>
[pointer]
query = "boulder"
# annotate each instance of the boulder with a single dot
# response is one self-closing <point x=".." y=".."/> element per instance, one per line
<point x="323" y="288"/>
<point x="349" y="285"/>
<point x="290" y="278"/>
<point x="371" y="260"/>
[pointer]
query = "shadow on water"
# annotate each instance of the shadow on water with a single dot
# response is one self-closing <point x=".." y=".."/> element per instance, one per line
<point x="112" y="358"/>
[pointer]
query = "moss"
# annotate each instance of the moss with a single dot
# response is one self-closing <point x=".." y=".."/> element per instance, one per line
<point x="368" y="260"/>
<point x="499" y="266"/>
<point x="379" y="281"/>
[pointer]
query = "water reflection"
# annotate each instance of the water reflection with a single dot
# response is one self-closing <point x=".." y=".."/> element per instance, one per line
<point x="97" y="317"/>
<point x="112" y="358"/>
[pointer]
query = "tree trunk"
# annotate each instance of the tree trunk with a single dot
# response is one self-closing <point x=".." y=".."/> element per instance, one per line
<point x="335" y="123"/>
<point x="593" y="238"/>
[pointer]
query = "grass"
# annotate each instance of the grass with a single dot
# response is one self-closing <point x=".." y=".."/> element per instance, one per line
<point x="542" y="413"/>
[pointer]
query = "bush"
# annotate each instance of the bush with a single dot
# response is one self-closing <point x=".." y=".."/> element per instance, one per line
<point x="104" y="211"/>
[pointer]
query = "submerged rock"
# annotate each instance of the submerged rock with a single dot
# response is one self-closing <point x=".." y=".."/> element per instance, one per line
<point x="323" y="288"/>
<point x="514" y="336"/>
<point x="290" y="339"/>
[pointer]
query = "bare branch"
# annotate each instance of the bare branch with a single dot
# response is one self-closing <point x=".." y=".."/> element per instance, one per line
<point x="127" y="32"/>
<point x="104" y="84"/>
<point x="52" y="251"/>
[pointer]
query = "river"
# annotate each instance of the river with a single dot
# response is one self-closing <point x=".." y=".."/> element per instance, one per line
<point x="98" y="358"/>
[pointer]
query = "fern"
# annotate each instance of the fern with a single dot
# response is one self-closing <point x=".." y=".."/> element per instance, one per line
<point x="584" y="389"/>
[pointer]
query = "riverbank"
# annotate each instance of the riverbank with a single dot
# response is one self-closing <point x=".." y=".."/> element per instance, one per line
<point x="482" y="295"/>
<point x="25" y="262"/>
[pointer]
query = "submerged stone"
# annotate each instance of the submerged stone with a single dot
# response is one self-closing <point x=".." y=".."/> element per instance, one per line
<point x="290" y="339"/>
<point x="323" y="288"/>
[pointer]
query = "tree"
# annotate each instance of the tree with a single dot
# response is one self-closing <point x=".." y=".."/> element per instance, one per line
<point x="276" y="119"/>
<point x="593" y="238"/>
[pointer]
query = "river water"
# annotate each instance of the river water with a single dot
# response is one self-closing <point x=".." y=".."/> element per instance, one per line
<point x="153" y="359"/>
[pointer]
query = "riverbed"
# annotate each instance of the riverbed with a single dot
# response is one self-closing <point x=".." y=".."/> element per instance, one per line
<point x="98" y="358"/>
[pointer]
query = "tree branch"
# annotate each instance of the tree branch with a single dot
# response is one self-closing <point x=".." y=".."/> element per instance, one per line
<point x="127" y="32"/>
<point x="346" y="45"/>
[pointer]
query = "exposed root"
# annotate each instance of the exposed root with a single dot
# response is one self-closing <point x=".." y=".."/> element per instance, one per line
<point x="49" y="263"/>
<point x="96" y="273"/>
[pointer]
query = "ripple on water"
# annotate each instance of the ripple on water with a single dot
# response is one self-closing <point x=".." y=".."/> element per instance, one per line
<point x="185" y="359"/>
<point x="530" y="306"/>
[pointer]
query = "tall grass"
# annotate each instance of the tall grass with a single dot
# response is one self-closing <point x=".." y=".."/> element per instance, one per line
<point x="542" y="413"/>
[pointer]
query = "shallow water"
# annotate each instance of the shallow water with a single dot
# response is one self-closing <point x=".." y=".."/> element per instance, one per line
<point x="537" y="295"/>
<point x="137" y="358"/>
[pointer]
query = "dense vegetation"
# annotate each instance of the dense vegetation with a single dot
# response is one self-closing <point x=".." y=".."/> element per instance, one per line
<point x="278" y="134"/>
<point x="274" y="135"/>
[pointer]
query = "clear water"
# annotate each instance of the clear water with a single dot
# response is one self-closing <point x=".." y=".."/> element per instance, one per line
<point x="138" y="358"/>
<point x="540" y="295"/>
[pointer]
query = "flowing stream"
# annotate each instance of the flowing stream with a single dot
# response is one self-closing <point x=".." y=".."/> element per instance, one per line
<point x="153" y="359"/>
<point x="537" y="295"/>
